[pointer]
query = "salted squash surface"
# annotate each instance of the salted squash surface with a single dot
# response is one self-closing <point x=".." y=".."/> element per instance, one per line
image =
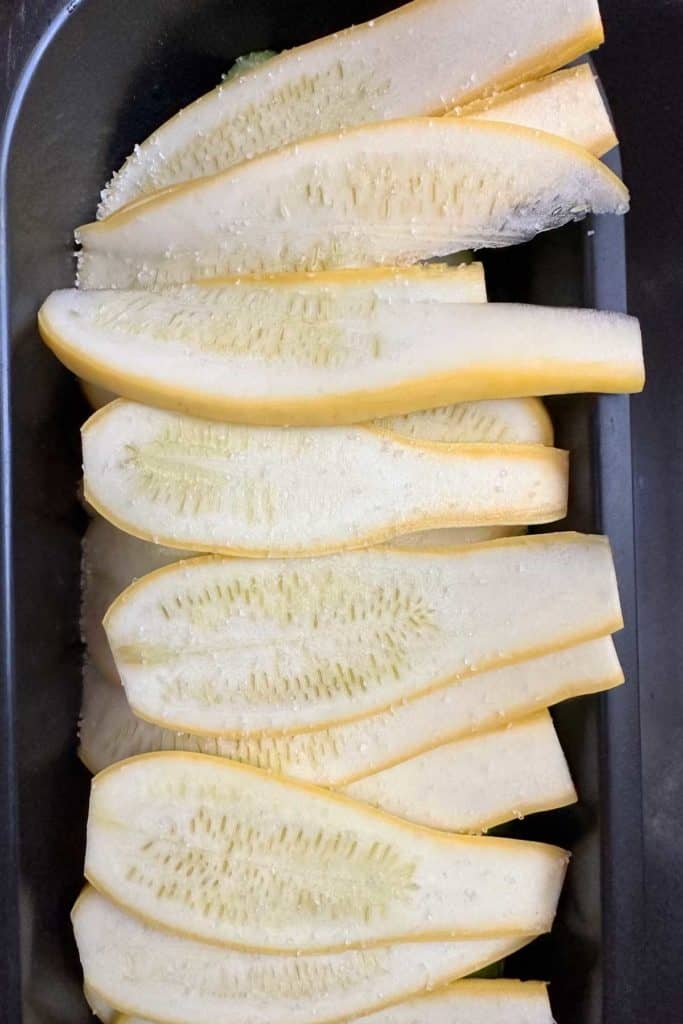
<point x="468" y="785"/>
<point x="567" y="103"/>
<point x="111" y="560"/>
<point x="326" y="349"/>
<point x="338" y="755"/>
<point x="383" y="195"/>
<point x="192" y="483"/>
<point x="371" y="72"/>
<point x="231" y="854"/>
<point x="219" y="646"/>
<point x="146" y="971"/>
<point x="470" y="1001"/>
<point x="501" y="421"/>
<point x="473" y="784"/>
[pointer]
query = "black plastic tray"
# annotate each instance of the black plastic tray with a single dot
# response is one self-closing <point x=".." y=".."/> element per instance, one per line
<point x="102" y="76"/>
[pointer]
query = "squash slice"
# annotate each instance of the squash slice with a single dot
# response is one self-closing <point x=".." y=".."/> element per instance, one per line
<point x="337" y="756"/>
<point x="470" y="1001"/>
<point x="99" y="1006"/>
<point x="338" y="348"/>
<point x="231" y="854"/>
<point x="222" y="646"/>
<point x="476" y="783"/>
<point x="192" y="483"/>
<point x="469" y="785"/>
<point x="146" y="971"/>
<point x="496" y="421"/>
<point x="388" y="194"/>
<point x="567" y="103"/>
<point x="420" y="59"/>
<point x="111" y="560"/>
<point x="455" y="536"/>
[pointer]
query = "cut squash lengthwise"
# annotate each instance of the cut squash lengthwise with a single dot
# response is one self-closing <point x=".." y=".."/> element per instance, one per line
<point x="220" y="646"/>
<point x="337" y="756"/>
<point x="388" y="194"/>
<point x="196" y="484"/>
<point x="495" y="421"/>
<point x="471" y="1001"/>
<point x="326" y="349"/>
<point x="99" y="1006"/>
<point x="469" y="785"/>
<point x="111" y="561"/>
<point x="567" y="103"/>
<point x="230" y="854"/>
<point x="421" y="59"/>
<point x="476" y="783"/>
<point x="151" y="972"/>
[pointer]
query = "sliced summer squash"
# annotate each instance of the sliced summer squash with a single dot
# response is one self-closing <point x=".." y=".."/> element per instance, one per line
<point x="470" y="1001"/>
<point x="99" y="1006"/>
<point x="150" y="972"/>
<point x="466" y="786"/>
<point x="337" y="756"/>
<point x="501" y="421"/>
<point x="228" y="646"/>
<point x="388" y="194"/>
<point x="197" y="484"/>
<point x="473" y="784"/>
<point x="111" y="561"/>
<point x="333" y="348"/>
<point x="567" y="103"/>
<point x="231" y="854"/>
<point x="454" y="536"/>
<point x="421" y="59"/>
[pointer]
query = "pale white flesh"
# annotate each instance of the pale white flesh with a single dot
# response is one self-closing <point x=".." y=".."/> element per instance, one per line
<point x="192" y="483"/>
<point x="99" y="1006"/>
<point x="501" y="421"/>
<point x="220" y="646"/>
<point x="454" y="536"/>
<point x="384" y="195"/>
<point x="567" y="103"/>
<point x="231" y="854"/>
<point x="420" y="59"/>
<point x="473" y="784"/>
<point x="470" y="1001"/>
<point x="336" y="756"/>
<point x="111" y="560"/>
<point x="469" y="785"/>
<point x="146" y="971"/>
<point x="311" y="351"/>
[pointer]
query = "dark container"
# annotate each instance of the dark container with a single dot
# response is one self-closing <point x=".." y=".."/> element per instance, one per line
<point x="102" y="76"/>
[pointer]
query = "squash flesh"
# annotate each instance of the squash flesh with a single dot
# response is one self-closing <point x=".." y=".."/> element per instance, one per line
<point x="567" y="103"/>
<point x="110" y="561"/>
<point x="229" y="854"/>
<point x="146" y="971"/>
<point x="341" y="754"/>
<point x="469" y="785"/>
<point x="474" y="784"/>
<point x="384" y="195"/>
<point x="223" y="646"/>
<point x="196" y="484"/>
<point x="311" y="352"/>
<point x="371" y="72"/>
<point x="470" y="1001"/>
